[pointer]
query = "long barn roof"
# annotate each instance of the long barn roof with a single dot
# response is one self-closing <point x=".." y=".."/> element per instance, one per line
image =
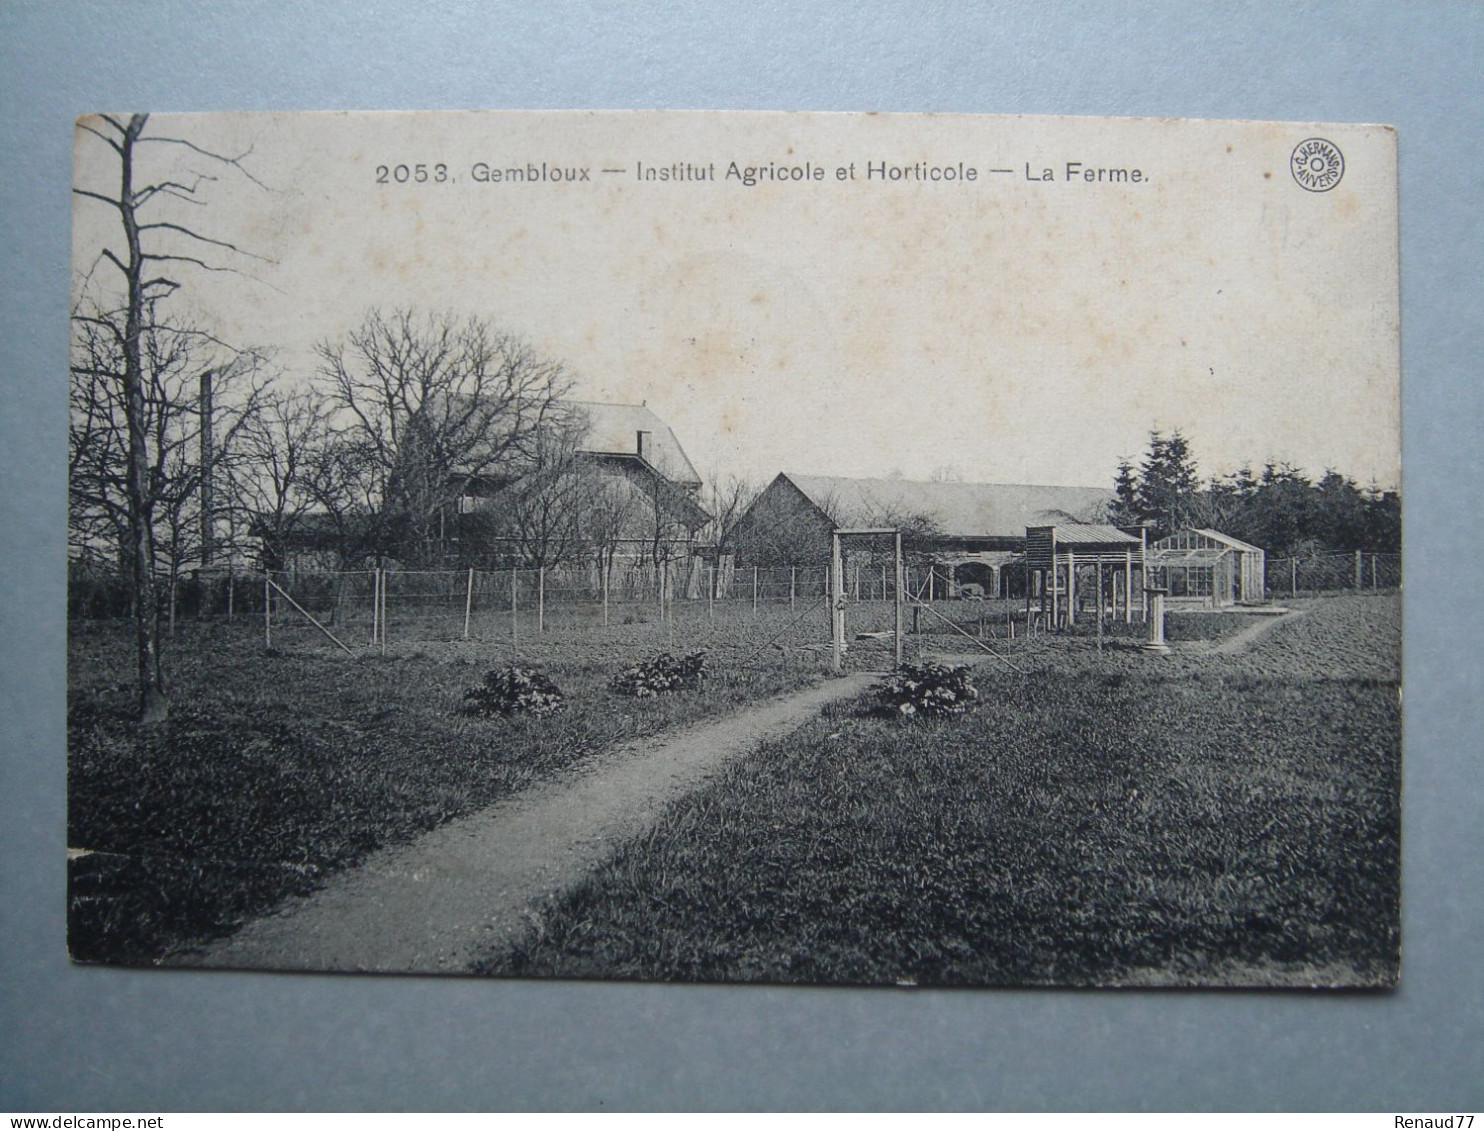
<point x="961" y="510"/>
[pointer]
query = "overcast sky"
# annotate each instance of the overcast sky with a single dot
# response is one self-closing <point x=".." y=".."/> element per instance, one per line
<point x="1002" y="329"/>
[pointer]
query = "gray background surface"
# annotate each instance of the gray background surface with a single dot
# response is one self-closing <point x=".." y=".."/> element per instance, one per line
<point x="79" y="1039"/>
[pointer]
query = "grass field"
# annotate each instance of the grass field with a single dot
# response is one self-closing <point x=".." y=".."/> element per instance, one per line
<point x="279" y="767"/>
<point x="1106" y="818"/>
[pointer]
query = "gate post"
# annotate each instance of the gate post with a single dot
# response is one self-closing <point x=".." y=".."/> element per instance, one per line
<point x="837" y="605"/>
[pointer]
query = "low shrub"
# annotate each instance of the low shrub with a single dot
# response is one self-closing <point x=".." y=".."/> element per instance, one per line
<point x="515" y="689"/>
<point x="927" y="689"/>
<point x="664" y="673"/>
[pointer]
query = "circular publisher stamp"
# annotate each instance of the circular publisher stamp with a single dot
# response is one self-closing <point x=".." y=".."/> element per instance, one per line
<point x="1317" y="164"/>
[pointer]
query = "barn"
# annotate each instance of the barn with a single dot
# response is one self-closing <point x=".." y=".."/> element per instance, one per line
<point x="1208" y="569"/>
<point x="974" y="533"/>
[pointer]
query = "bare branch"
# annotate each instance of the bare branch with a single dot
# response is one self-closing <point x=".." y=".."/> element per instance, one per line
<point x="108" y="200"/>
<point x="117" y="148"/>
<point x="163" y="225"/>
<point x="235" y="162"/>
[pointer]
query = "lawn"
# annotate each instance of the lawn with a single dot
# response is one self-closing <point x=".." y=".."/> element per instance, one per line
<point x="1104" y="818"/>
<point x="279" y="766"/>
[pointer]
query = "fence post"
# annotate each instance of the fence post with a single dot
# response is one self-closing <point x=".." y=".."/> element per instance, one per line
<point x="897" y="597"/>
<point x="711" y="595"/>
<point x="232" y="586"/>
<point x="267" y="610"/>
<point x="1373" y="573"/>
<point x="1357" y="570"/>
<point x="468" y="602"/>
<point x="604" y="567"/>
<point x="514" y="625"/>
<point x="1293" y="577"/>
<point x="837" y="605"/>
<point x="540" y="599"/>
<point x="383" y="611"/>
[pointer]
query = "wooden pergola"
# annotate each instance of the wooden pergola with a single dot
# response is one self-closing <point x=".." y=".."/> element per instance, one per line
<point x="1069" y="558"/>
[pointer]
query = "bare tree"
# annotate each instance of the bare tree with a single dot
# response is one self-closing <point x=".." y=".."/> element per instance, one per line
<point x="191" y="391"/>
<point x="279" y="468"/>
<point x="542" y="514"/>
<point x="430" y="407"/>
<point x="152" y="245"/>
<point x="727" y="498"/>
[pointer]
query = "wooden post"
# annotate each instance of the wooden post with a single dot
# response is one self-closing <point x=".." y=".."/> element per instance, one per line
<point x="1028" y="587"/>
<point x="1293" y="577"/>
<point x="857" y="582"/>
<point x="1357" y="569"/>
<point x="883" y="583"/>
<point x="1128" y="587"/>
<point x="1098" y="594"/>
<point x="932" y="575"/>
<point x="310" y="618"/>
<point x="267" y="610"/>
<point x="897" y="560"/>
<point x="232" y="587"/>
<point x="603" y="569"/>
<point x="468" y="602"/>
<point x="711" y="595"/>
<point x="1071" y="589"/>
<point x="383" y="612"/>
<point x="1373" y="575"/>
<point x="837" y="604"/>
<point x="541" y="599"/>
<point x="514" y="622"/>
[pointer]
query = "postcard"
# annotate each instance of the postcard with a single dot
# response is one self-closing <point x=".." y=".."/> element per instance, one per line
<point x="867" y="549"/>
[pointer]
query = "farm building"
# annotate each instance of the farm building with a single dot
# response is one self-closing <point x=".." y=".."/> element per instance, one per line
<point x="974" y="533"/>
<point x="608" y="483"/>
<point x="1075" y="566"/>
<point x="626" y="493"/>
<point x="1207" y="568"/>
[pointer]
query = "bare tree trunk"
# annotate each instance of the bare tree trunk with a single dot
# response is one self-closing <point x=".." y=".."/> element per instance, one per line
<point x="154" y="703"/>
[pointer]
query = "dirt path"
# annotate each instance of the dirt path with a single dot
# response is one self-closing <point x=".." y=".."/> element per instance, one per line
<point x="433" y="905"/>
<point x="1249" y="635"/>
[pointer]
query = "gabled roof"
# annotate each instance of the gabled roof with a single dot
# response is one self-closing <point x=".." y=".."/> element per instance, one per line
<point x="961" y="510"/>
<point x="1228" y="540"/>
<point x="1089" y="534"/>
<point x="613" y="429"/>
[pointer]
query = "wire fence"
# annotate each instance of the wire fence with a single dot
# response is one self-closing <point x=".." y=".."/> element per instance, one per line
<point x="1333" y="573"/>
<point x="370" y="606"/>
<point x="361" y="607"/>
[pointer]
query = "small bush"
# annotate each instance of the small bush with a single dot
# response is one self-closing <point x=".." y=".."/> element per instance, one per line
<point x="927" y="689"/>
<point x="514" y="689"/>
<point x="660" y="675"/>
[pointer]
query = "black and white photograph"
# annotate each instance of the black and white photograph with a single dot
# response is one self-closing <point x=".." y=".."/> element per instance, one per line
<point x="678" y="546"/>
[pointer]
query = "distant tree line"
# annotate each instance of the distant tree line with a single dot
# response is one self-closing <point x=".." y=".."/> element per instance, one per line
<point x="1279" y="508"/>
